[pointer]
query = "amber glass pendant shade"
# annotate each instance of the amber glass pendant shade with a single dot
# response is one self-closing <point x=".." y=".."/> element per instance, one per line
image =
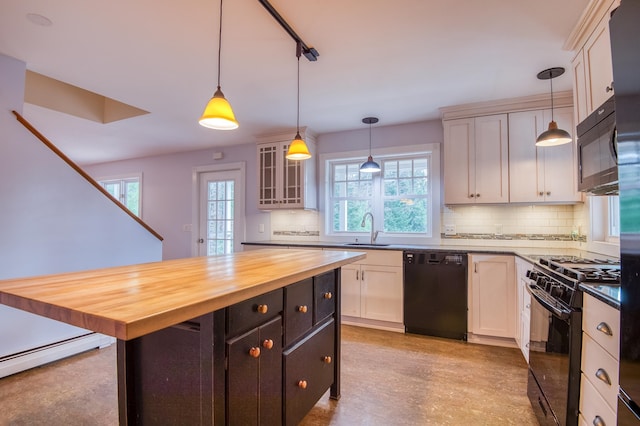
<point x="298" y="150"/>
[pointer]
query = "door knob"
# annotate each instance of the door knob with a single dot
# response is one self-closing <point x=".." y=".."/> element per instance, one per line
<point x="201" y="240"/>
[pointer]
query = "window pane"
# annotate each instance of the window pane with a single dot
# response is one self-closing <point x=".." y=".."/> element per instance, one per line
<point x="405" y="168"/>
<point x="404" y="187"/>
<point x="340" y="189"/>
<point x="340" y="172"/>
<point x="614" y="216"/>
<point x="405" y="216"/>
<point x="390" y="169"/>
<point x="420" y="167"/>
<point x="420" y="186"/>
<point x="390" y="187"/>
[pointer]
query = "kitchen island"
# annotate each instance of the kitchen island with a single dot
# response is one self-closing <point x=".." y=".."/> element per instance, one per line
<point x="188" y="329"/>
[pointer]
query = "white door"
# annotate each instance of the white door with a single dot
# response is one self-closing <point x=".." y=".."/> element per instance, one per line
<point x="221" y="212"/>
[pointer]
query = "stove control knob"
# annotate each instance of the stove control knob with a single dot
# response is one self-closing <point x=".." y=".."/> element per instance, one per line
<point x="542" y="281"/>
<point x="557" y="290"/>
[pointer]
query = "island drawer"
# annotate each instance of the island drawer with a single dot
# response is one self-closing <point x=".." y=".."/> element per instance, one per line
<point x="246" y="315"/>
<point x="308" y="372"/>
<point x="298" y="312"/>
<point x="324" y="289"/>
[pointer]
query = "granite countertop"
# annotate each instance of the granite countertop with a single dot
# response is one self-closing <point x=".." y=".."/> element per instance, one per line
<point x="607" y="294"/>
<point x="130" y="301"/>
<point x="528" y="253"/>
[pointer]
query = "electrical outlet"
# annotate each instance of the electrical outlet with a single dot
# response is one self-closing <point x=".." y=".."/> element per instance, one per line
<point x="449" y="230"/>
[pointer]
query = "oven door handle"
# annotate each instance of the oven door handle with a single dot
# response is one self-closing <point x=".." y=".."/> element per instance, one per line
<point x="563" y="314"/>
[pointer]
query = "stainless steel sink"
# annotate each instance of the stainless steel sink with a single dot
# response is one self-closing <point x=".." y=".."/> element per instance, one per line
<point x="366" y="244"/>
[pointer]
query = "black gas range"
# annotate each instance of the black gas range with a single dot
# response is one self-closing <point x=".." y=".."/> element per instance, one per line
<point x="555" y="341"/>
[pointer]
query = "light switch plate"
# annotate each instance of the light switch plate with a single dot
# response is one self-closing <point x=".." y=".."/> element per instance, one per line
<point x="449" y="230"/>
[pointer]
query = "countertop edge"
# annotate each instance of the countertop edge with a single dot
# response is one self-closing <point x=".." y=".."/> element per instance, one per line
<point x="125" y="329"/>
<point x="591" y="291"/>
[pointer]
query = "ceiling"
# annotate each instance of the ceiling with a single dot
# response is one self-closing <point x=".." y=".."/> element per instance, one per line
<point x="399" y="60"/>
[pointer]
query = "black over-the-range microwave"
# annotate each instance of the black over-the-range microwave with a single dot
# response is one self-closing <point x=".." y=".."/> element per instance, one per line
<point x="598" y="151"/>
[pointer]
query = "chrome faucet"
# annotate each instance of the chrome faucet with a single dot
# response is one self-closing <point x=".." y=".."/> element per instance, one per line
<point x="374" y="233"/>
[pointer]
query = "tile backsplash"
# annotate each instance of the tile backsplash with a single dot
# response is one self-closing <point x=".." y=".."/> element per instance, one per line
<point x="557" y="221"/>
<point x="535" y="222"/>
<point x="298" y="225"/>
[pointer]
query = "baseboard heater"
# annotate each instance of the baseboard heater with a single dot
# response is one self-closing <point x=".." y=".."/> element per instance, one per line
<point x="22" y="361"/>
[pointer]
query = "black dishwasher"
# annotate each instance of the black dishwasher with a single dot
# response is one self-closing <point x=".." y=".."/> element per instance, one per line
<point x="435" y="293"/>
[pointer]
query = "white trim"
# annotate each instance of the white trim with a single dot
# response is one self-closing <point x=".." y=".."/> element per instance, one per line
<point x="26" y="360"/>
<point x="195" y="197"/>
<point x="435" y="191"/>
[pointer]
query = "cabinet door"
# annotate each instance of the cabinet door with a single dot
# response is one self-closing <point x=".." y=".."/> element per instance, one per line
<point x="580" y="99"/>
<point x="524" y="128"/>
<point x="597" y="55"/>
<point x="541" y="174"/>
<point x="270" y="376"/>
<point x="493" y="296"/>
<point x="491" y="159"/>
<point x="242" y="379"/>
<point x="558" y="180"/>
<point x="350" y="293"/>
<point x="290" y="180"/>
<point x="459" y="162"/>
<point x="267" y="176"/>
<point x="254" y="376"/>
<point x="381" y="293"/>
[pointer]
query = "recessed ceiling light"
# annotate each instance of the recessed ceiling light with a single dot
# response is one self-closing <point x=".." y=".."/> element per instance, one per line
<point x="38" y="19"/>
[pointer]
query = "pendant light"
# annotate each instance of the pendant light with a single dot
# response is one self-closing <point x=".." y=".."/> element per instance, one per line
<point x="297" y="148"/>
<point x="553" y="136"/>
<point x="218" y="113"/>
<point x="370" y="166"/>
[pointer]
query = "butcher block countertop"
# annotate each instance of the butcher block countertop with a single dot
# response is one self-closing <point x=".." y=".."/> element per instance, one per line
<point x="130" y="301"/>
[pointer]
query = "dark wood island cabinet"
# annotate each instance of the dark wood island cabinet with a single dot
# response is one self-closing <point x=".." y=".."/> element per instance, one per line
<point x="263" y="347"/>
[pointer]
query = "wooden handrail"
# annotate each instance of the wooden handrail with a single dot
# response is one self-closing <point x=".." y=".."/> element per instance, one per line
<point x="82" y="173"/>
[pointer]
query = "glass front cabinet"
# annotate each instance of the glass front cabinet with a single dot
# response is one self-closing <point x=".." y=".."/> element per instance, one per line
<point x="282" y="183"/>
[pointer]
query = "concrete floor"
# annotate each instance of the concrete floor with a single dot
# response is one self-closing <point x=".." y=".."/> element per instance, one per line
<point x="387" y="379"/>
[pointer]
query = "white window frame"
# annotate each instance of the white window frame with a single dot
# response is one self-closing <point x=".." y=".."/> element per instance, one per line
<point x="601" y="239"/>
<point x="433" y="234"/>
<point x="124" y="177"/>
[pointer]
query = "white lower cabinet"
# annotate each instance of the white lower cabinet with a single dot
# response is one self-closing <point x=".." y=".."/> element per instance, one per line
<point x="492" y="299"/>
<point x="600" y="362"/>
<point x="372" y="291"/>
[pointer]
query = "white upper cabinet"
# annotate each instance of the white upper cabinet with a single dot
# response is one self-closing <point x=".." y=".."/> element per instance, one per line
<point x="592" y="67"/>
<point x="541" y="174"/>
<point x="282" y="183"/>
<point x="476" y="160"/>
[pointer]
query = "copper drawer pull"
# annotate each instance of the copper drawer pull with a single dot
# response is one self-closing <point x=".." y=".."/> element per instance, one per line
<point x="302" y="309"/>
<point x="302" y="384"/>
<point x="327" y="359"/>
<point x="267" y="344"/>
<point x="254" y="352"/>
<point x="604" y="327"/>
<point x="328" y="295"/>
<point x="263" y="309"/>
<point x="602" y="375"/>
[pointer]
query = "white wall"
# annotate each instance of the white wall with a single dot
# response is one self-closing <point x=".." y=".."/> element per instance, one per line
<point x="51" y="219"/>
<point x="166" y="192"/>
